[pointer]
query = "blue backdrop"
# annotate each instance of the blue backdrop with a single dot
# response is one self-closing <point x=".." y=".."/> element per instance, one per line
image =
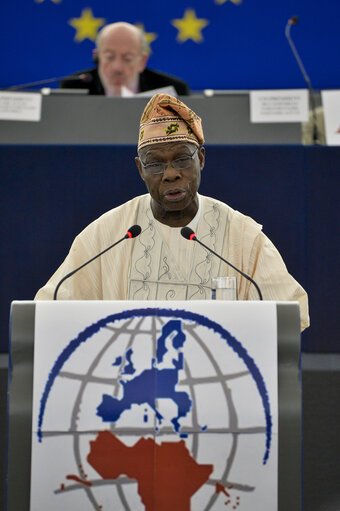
<point x="220" y="44"/>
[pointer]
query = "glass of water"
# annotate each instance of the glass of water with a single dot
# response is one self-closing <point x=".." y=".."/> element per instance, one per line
<point x="224" y="288"/>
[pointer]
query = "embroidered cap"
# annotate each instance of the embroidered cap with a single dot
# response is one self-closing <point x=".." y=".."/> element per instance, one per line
<point x="167" y="119"/>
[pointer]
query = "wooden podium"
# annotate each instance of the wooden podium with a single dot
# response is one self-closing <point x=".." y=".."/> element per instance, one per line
<point x="154" y="405"/>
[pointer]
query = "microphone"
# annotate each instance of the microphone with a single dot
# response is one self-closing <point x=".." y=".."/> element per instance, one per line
<point x="83" y="78"/>
<point x="293" y="21"/>
<point x="189" y="234"/>
<point x="133" y="232"/>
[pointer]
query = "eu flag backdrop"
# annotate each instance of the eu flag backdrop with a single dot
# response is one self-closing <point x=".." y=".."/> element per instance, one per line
<point x="218" y="44"/>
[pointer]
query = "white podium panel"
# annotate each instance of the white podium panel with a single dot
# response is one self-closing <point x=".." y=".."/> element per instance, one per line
<point x="150" y="406"/>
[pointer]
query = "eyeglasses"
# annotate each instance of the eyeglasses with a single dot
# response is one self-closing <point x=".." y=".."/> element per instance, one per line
<point x="129" y="58"/>
<point x="159" y="167"/>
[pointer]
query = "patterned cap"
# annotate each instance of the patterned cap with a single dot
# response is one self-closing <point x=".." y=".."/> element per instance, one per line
<point x="167" y="119"/>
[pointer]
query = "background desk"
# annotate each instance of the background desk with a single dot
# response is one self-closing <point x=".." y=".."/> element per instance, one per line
<point x="70" y="119"/>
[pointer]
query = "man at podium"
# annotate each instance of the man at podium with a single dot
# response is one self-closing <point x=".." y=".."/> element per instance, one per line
<point x="160" y="264"/>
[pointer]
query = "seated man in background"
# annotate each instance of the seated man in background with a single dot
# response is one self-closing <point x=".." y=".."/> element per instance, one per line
<point x="160" y="264"/>
<point x="122" y="55"/>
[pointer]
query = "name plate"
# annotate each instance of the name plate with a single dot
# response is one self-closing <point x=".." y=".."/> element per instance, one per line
<point x="279" y="105"/>
<point x="20" y="106"/>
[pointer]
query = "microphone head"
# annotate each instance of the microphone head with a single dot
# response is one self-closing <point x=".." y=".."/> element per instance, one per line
<point x="82" y="77"/>
<point x="188" y="233"/>
<point x="134" y="231"/>
<point x="85" y="77"/>
<point x="293" y="20"/>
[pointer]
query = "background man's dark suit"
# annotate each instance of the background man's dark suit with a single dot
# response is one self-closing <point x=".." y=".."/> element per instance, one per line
<point x="148" y="80"/>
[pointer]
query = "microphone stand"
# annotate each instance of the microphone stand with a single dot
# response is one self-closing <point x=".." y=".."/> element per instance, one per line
<point x="84" y="77"/>
<point x="293" y="21"/>
<point x="189" y="234"/>
<point x="234" y="267"/>
<point x="134" y="231"/>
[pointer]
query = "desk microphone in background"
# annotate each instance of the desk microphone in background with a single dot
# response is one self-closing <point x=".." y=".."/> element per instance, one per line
<point x="189" y="234"/>
<point x="293" y="21"/>
<point x="133" y="232"/>
<point x="82" y="78"/>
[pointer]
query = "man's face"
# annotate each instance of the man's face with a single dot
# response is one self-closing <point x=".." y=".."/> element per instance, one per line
<point x="120" y="59"/>
<point x="173" y="192"/>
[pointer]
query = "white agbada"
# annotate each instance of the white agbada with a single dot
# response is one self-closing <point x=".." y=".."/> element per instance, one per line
<point x="160" y="264"/>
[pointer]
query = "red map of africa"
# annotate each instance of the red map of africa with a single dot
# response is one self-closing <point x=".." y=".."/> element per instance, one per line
<point x="167" y="474"/>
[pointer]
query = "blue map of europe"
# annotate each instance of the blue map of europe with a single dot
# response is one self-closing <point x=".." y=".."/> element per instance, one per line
<point x="151" y="384"/>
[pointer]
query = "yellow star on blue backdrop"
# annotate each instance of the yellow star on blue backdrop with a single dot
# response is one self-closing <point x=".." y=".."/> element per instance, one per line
<point x="86" y="26"/>
<point x="224" y="1"/>
<point x="190" y="27"/>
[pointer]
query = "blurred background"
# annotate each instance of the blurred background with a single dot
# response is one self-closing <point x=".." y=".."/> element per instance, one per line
<point x="215" y="44"/>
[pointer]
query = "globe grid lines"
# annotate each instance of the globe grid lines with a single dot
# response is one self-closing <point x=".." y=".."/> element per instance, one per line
<point x="232" y="416"/>
<point x="77" y="404"/>
<point x="188" y="381"/>
<point x="117" y="332"/>
<point x="125" y="481"/>
<point x="164" y="431"/>
<point x="196" y="380"/>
